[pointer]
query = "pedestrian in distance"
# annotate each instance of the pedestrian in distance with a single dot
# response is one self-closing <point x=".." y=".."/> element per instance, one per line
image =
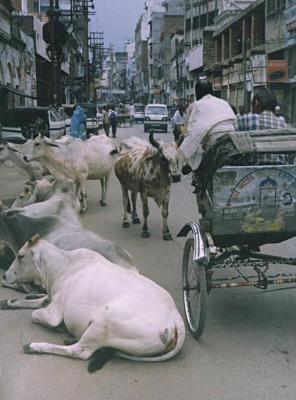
<point x="132" y="113"/>
<point x="106" y="122"/>
<point x="178" y="122"/>
<point x="113" y="121"/>
<point x="78" y="124"/>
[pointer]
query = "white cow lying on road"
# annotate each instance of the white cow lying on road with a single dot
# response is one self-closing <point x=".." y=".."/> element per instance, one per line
<point x="103" y="305"/>
<point x="75" y="159"/>
<point x="38" y="191"/>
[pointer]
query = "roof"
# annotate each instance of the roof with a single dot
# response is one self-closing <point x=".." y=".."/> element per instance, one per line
<point x="265" y="141"/>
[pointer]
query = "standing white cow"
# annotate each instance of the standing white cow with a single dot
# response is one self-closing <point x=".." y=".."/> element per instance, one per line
<point x="11" y="158"/>
<point x="103" y="305"/>
<point x="75" y="159"/>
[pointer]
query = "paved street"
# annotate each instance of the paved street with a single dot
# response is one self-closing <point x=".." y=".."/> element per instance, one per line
<point x="247" y="351"/>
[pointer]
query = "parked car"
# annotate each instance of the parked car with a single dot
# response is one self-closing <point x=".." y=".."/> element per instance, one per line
<point x="22" y="123"/>
<point x="90" y="110"/>
<point x="66" y="118"/>
<point x="139" y="112"/>
<point x="156" y="117"/>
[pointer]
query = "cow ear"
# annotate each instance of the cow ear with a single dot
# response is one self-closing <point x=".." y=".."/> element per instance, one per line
<point x="13" y="147"/>
<point x="49" y="142"/>
<point x="12" y="212"/>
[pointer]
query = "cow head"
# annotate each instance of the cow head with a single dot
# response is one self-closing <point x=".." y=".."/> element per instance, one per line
<point x="23" y="269"/>
<point x="168" y="153"/>
<point x="36" y="149"/>
<point x="24" y="198"/>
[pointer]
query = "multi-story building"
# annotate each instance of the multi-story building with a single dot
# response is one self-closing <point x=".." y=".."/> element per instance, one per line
<point x="178" y="74"/>
<point x="281" y="53"/>
<point x="239" y="54"/>
<point x="290" y="42"/>
<point x="141" y="81"/>
<point x="162" y="25"/>
<point x="200" y="22"/>
<point x="130" y="70"/>
<point x="17" y="62"/>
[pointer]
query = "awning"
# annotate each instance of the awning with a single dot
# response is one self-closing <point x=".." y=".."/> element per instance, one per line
<point x="16" y="91"/>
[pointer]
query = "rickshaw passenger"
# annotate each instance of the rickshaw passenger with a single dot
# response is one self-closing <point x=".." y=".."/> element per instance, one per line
<point x="263" y="117"/>
<point x="210" y="118"/>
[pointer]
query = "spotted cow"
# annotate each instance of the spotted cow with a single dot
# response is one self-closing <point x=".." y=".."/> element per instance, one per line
<point x="149" y="170"/>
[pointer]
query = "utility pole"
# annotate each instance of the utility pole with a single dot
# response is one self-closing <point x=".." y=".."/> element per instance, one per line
<point x="55" y="35"/>
<point x="84" y="8"/>
<point x="96" y="46"/>
<point x="51" y="14"/>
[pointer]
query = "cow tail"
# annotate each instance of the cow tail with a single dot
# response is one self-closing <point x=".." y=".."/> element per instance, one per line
<point x="180" y="338"/>
<point x="101" y="356"/>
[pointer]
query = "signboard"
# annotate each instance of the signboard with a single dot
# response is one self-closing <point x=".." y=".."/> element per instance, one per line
<point x="277" y="71"/>
<point x="195" y="58"/>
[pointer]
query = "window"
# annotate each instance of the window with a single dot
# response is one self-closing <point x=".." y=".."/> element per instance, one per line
<point x="275" y="5"/>
<point x="195" y="23"/>
<point x="188" y="24"/>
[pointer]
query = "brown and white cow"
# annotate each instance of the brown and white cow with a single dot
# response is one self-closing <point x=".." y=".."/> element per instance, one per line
<point x="148" y="170"/>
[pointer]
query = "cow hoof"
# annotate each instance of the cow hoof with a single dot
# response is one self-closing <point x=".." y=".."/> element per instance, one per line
<point x="136" y="221"/>
<point x="125" y="224"/>
<point x="167" y="236"/>
<point x="4" y="305"/>
<point x="146" y="234"/>
<point x="7" y="304"/>
<point x="102" y="203"/>
<point x="27" y="349"/>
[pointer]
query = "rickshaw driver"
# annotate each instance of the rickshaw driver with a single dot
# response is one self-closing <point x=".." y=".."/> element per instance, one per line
<point x="210" y="118"/>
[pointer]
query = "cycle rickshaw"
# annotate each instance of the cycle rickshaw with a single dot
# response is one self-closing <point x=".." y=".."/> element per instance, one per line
<point x="246" y="194"/>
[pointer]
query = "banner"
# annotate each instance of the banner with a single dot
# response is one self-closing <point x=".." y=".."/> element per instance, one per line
<point x="277" y="71"/>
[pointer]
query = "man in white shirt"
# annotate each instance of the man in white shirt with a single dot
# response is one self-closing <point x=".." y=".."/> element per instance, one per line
<point x="210" y="118"/>
<point x="178" y="122"/>
<point x="132" y="113"/>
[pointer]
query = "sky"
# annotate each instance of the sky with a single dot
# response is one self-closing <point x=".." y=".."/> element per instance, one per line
<point x="117" y="19"/>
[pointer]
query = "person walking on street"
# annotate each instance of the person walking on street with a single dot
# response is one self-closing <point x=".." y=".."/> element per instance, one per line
<point x="178" y="122"/>
<point x="113" y="121"/>
<point x="78" y="123"/>
<point x="106" y="122"/>
<point x="131" y="113"/>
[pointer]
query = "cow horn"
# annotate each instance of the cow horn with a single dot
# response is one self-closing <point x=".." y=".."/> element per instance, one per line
<point x="34" y="239"/>
<point x="153" y="141"/>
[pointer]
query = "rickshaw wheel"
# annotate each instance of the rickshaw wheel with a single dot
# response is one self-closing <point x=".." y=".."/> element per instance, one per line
<point x="194" y="290"/>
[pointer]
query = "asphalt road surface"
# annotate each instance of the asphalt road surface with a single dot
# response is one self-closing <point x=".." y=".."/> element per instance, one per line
<point x="247" y="350"/>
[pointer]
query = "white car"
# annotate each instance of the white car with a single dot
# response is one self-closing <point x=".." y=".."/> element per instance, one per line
<point x="22" y="123"/>
<point x="156" y="117"/>
<point x="139" y="112"/>
<point x="66" y="118"/>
